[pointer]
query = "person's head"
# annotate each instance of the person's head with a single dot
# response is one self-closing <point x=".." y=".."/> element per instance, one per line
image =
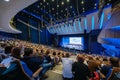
<point x="59" y="53"/>
<point x="54" y="53"/>
<point x="42" y="51"/>
<point x="3" y="45"/>
<point x="105" y="59"/>
<point x="16" y="52"/>
<point x="67" y="55"/>
<point x="28" y="52"/>
<point x="47" y="52"/>
<point x="8" y="49"/>
<point x="114" y="61"/>
<point x="80" y="58"/>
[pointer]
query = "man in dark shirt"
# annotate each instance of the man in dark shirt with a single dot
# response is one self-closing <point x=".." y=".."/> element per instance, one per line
<point x="32" y="61"/>
<point x="80" y="70"/>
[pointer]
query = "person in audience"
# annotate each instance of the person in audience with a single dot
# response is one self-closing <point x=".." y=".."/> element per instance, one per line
<point x="55" y="58"/>
<point x="8" y="50"/>
<point x="93" y="67"/>
<point x="80" y="70"/>
<point x="107" y="69"/>
<point x="47" y="56"/>
<point x="15" y="54"/>
<point x="67" y="67"/>
<point x="31" y="60"/>
<point x="1" y="48"/>
<point x="35" y="62"/>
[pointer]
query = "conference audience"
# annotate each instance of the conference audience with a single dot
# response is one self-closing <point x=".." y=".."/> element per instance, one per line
<point x="33" y="56"/>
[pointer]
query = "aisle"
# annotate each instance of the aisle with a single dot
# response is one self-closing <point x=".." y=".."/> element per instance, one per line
<point x="56" y="73"/>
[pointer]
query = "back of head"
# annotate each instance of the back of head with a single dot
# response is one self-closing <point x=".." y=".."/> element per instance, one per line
<point x="114" y="61"/>
<point x="28" y="51"/>
<point x="42" y="51"/>
<point x="16" y="52"/>
<point x="54" y="53"/>
<point x="67" y="55"/>
<point x="80" y="58"/>
<point x="8" y="49"/>
<point x="93" y="65"/>
<point x="47" y="52"/>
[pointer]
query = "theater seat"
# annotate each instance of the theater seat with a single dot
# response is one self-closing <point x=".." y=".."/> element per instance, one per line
<point x="16" y="72"/>
<point x="114" y="70"/>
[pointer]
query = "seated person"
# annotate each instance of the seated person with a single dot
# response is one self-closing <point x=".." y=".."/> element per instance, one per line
<point x="47" y="57"/>
<point x="31" y="60"/>
<point x="7" y="52"/>
<point x="67" y="67"/>
<point x="15" y="54"/>
<point x="34" y="62"/>
<point x="107" y="69"/>
<point x="80" y="68"/>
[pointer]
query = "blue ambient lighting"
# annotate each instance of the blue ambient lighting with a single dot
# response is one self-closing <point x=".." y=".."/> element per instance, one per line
<point x="93" y="20"/>
<point x="70" y="28"/>
<point x="66" y="28"/>
<point x="101" y="20"/>
<point x="85" y="23"/>
<point x="79" y="25"/>
<point x="74" y="23"/>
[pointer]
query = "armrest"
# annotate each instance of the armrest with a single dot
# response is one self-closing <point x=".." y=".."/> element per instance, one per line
<point x="101" y="74"/>
<point x="35" y="74"/>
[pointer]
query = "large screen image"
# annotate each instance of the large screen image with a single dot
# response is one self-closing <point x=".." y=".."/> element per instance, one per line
<point x="73" y="42"/>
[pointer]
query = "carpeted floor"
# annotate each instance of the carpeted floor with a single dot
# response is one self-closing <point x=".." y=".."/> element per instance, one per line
<point x="56" y="73"/>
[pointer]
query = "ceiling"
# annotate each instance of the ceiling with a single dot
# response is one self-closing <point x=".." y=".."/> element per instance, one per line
<point x="44" y="13"/>
<point x="8" y="9"/>
<point x="47" y="12"/>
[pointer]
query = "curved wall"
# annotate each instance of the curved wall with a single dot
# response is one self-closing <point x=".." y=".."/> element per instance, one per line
<point x="8" y="10"/>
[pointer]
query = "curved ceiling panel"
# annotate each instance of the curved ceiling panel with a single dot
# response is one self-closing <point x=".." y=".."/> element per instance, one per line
<point x="111" y="27"/>
<point x="8" y="10"/>
<point x="88" y="23"/>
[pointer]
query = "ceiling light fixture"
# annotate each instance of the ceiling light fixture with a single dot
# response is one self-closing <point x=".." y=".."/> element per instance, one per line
<point x="6" y="0"/>
<point x="38" y="6"/>
<point x="40" y="3"/>
<point x="95" y="4"/>
<point x="83" y="8"/>
<point x="57" y="5"/>
<point x="70" y="6"/>
<point x="66" y="9"/>
<point x="68" y="0"/>
<point x="82" y="2"/>
<point x="52" y="8"/>
<point x="47" y="3"/>
<point x="94" y="7"/>
<point x="53" y="0"/>
<point x="44" y="0"/>
<point x="108" y="3"/>
<point x="62" y="3"/>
